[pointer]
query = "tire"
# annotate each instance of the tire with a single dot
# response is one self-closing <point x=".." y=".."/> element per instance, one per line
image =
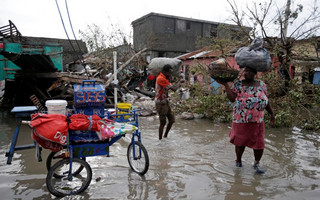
<point x="140" y="164"/>
<point x="54" y="157"/>
<point x="61" y="187"/>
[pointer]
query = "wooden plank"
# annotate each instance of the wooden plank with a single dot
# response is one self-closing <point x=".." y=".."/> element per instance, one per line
<point x="10" y="69"/>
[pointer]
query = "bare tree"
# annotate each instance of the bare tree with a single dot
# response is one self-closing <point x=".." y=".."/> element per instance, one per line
<point x="94" y="37"/>
<point x="280" y="27"/>
<point x="98" y="39"/>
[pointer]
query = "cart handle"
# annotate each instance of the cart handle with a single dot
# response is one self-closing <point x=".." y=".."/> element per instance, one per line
<point x="87" y="82"/>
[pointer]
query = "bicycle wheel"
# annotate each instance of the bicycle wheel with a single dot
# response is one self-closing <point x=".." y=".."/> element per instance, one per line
<point x="54" y="157"/>
<point x="61" y="187"/>
<point x="138" y="159"/>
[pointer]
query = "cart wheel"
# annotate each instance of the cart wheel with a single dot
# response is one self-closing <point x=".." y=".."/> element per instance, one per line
<point x="54" y="157"/>
<point x="63" y="186"/>
<point x="140" y="162"/>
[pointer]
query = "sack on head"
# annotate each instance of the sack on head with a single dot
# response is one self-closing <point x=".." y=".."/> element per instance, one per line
<point x="254" y="56"/>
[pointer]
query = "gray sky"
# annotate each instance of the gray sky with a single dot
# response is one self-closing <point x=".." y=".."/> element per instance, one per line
<point x="40" y="18"/>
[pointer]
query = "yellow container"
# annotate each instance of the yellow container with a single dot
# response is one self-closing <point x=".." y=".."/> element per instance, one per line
<point x="124" y="108"/>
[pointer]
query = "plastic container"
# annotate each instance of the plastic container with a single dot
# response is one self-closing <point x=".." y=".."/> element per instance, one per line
<point x="124" y="108"/>
<point x="89" y="94"/>
<point x="57" y="106"/>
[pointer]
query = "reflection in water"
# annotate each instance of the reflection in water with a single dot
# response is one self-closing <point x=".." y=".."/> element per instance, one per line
<point x="195" y="162"/>
<point x="138" y="186"/>
<point x="243" y="189"/>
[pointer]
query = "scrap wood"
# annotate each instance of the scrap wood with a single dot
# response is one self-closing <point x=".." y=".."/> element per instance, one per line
<point x="77" y="78"/>
<point x="124" y="65"/>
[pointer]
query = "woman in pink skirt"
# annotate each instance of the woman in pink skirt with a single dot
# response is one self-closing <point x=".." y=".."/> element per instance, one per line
<point x="250" y="99"/>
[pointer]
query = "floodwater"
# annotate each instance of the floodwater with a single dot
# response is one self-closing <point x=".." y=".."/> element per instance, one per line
<point x="195" y="162"/>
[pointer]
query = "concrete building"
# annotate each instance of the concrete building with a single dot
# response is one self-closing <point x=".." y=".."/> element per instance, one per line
<point x="171" y="36"/>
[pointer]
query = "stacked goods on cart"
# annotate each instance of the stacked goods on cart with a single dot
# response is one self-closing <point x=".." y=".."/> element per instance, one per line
<point x="254" y="56"/>
<point x="51" y="130"/>
<point x="220" y="71"/>
<point x="89" y="98"/>
<point x="156" y="64"/>
<point x="68" y="171"/>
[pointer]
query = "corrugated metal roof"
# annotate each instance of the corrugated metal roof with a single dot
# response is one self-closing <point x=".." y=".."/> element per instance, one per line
<point x="205" y="52"/>
<point x="200" y="54"/>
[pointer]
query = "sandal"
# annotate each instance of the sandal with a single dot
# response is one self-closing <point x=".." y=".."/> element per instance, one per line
<point x="258" y="169"/>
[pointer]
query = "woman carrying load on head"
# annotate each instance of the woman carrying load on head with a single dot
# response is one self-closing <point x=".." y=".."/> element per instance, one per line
<point x="248" y="129"/>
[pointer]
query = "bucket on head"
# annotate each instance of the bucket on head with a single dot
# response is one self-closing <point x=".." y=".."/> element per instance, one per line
<point x="57" y="106"/>
<point x="124" y="108"/>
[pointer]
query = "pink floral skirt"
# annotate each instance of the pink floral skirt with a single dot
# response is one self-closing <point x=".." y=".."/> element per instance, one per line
<point x="248" y="134"/>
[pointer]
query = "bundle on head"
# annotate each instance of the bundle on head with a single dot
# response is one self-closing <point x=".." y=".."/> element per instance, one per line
<point x="254" y="56"/>
<point x="220" y="71"/>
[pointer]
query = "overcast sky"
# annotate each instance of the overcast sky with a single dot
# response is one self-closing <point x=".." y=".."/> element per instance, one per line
<point x="40" y="18"/>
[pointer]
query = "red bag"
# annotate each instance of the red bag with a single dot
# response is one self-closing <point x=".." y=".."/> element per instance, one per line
<point x="84" y="122"/>
<point x="51" y="127"/>
<point x="53" y="146"/>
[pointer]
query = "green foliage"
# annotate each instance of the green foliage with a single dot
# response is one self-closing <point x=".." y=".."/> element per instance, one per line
<point x="296" y="104"/>
<point x="215" y="107"/>
<point x="312" y="123"/>
<point x="283" y="119"/>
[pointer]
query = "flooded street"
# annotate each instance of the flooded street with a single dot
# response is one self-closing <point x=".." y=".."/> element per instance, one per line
<point x="195" y="162"/>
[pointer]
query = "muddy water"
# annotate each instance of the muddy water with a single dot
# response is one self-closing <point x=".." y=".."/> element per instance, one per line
<point x="195" y="162"/>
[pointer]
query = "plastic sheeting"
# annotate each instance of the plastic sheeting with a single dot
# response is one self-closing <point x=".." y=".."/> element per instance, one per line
<point x="254" y="56"/>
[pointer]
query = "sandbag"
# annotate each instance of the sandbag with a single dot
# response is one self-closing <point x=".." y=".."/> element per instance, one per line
<point x="254" y="56"/>
<point x="156" y="65"/>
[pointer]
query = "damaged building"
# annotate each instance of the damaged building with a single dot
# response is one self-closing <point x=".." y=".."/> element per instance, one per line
<point x="30" y="65"/>
<point x="34" y="70"/>
<point x="171" y="36"/>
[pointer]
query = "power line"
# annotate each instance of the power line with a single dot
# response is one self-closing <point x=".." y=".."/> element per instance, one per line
<point x="72" y="27"/>
<point x="64" y="27"/>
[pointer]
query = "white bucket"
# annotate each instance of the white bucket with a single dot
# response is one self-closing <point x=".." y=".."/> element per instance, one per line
<point x="57" y="106"/>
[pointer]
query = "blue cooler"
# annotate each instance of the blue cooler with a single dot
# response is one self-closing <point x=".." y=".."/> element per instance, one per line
<point x="89" y="98"/>
<point x="316" y="76"/>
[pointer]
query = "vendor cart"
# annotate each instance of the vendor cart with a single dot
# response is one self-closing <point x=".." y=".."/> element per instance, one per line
<point x="71" y="174"/>
<point x="68" y="171"/>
